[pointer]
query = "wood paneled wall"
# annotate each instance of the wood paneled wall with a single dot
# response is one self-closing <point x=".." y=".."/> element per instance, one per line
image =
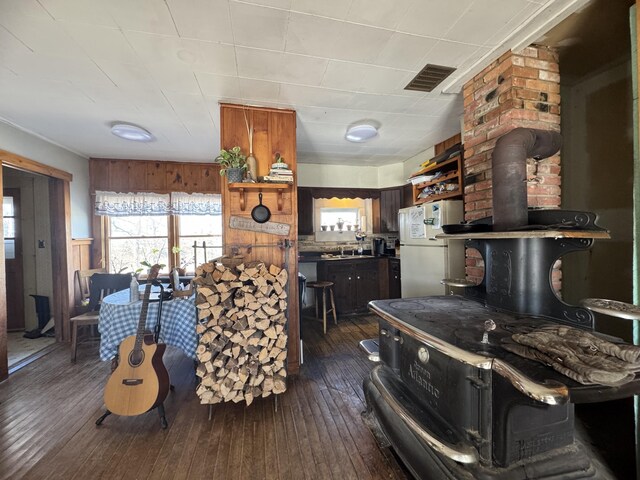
<point x="274" y="132"/>
<point x="124" y="176"/>
<point x="152" y="176"/>
<point x="61" y="266"/>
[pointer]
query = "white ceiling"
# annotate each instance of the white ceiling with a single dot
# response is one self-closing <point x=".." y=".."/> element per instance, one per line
<point x="70" y="68"/>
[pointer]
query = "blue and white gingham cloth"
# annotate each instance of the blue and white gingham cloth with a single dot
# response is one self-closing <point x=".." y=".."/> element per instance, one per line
<point x="119" y="319"/>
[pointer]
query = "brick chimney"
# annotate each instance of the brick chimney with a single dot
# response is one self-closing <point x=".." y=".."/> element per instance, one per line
<point x="517" y="90"/>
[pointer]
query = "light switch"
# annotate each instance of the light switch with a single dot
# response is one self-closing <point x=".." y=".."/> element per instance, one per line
<point x="40" y="243"/>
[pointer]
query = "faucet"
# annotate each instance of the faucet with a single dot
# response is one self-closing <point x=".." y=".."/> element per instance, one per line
<point x="342" y="250"/>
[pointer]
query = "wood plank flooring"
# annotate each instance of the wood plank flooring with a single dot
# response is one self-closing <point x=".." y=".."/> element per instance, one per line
<point x="48" y="411"/>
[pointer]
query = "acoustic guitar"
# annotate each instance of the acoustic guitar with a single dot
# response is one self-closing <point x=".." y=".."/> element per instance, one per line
<point x="140" y="382"/>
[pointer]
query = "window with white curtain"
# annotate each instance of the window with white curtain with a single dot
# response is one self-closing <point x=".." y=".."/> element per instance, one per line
<point x="144" y="229"/>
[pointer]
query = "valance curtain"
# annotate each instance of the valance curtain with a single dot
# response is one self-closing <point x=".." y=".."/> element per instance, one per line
<point x="137" y="204"/>
<point x="196" y="203"/>
<point x="128" y="204"/>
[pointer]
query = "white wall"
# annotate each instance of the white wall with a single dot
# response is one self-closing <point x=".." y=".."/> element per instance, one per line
<point x="597" y="176"/>
<point x="412" y="165"/>
<point x="391" y="175"/>
<point x="322" y="175"/>
<point x="19" y="142"/>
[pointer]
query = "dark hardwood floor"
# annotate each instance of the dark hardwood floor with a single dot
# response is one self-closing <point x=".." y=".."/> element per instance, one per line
<point x="48" y="411"/>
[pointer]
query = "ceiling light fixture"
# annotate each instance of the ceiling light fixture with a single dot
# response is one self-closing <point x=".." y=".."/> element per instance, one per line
<point x="361" y="133"/>
<point x="131" y="132"/>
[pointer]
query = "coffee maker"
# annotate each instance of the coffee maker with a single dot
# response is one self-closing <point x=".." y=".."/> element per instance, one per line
<point x="379" y="246"/>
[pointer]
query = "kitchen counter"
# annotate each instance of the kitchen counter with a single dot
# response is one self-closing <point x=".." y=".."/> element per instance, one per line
<point x="332" y="258"/>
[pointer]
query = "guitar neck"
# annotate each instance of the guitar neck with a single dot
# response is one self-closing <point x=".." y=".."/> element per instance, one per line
<point x="142" y="321"/>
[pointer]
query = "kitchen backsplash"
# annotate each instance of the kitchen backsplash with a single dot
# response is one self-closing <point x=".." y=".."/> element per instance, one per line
<point x="307" y="243"/>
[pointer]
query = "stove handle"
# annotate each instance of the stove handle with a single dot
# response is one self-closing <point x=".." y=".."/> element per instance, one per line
<point x="459" y="453"/>
<point x="551" y="393"/>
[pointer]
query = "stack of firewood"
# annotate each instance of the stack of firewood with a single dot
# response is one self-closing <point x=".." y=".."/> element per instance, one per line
<point x="242" y="350"/>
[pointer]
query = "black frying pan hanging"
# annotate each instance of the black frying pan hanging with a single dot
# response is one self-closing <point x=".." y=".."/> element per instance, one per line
<point x="260" y="212"/>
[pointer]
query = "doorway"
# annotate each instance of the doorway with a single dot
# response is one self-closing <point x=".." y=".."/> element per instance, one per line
<point x="27" y="238"/>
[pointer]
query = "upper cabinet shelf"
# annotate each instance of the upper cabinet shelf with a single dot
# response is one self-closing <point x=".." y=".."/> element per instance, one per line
<point x="443" y="177"/>
<point x="446" y="184"/>
<point x="261" y="187"/>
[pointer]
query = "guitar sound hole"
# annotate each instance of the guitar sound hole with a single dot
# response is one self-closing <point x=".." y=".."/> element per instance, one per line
<point x="136" y="357"/>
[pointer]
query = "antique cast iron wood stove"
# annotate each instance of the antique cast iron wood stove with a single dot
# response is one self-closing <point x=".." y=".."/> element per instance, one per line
<point x="451" y="400"/>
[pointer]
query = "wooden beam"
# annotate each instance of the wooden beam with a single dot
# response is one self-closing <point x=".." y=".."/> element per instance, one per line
<point x="62" y="268"/>
<point x="254" y="109"/>
<point x="4" y="363"/>
<point x="26" y="165"/>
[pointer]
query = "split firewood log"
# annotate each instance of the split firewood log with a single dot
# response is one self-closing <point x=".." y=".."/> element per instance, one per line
<point x="242" y="314"/>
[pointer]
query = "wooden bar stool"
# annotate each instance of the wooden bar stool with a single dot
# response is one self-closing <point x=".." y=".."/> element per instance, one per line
<point x="324" y="286"/>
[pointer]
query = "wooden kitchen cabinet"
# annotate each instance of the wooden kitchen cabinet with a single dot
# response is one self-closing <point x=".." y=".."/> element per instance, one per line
<point x="395" y="285"/>
<point x="390" y="203"/>
<point x="305" y="211"/>
<point x="356" y="282"/>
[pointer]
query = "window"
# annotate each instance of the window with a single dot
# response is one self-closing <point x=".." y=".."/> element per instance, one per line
<point x="9" y="228"/>
<point x="339" y="219"/>
<point x="329" y="214"/>
<point x="196" y="229"/>
<point x="161" y="229"/>
<point x="135" y="239"/>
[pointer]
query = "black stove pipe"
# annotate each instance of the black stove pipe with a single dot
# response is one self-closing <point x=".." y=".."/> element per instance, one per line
<point x="509" y="174"/>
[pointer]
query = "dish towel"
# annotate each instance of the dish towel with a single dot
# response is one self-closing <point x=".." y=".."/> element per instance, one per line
<point x="578" y="354"/>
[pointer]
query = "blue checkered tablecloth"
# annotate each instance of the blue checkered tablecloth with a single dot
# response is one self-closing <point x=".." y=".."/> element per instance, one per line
<point x="119" y="319"/>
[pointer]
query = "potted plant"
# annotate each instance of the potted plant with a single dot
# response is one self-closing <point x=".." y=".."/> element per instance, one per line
<point x="181" y="263"/>
<point x="233" y="162"/>
<point x="279" y="163"/>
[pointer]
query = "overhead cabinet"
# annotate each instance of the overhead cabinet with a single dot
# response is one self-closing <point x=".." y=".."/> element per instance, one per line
<point x="305" y="211"/>
<point x="390" y="203"/>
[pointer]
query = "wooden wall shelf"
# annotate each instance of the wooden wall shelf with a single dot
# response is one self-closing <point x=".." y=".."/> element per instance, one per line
<point x="441" y="196"/>
<point x="261" y="187"/>
<point x="599" y="234"/>
<point x="451" y="172"/>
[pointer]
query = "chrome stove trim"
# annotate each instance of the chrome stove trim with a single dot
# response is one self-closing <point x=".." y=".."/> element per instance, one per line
<point x="551" y="393"/>
<point x="478" y="361"/>
<point x="458" y="453"/>
<point x="614" y="308"/>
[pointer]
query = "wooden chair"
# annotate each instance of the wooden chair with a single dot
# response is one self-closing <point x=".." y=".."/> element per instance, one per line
<point x="100" y="285"/>
<point x="82" y="279"/>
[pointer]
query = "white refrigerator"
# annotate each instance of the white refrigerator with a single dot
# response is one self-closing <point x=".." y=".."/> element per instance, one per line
<point x="424" y="259"/>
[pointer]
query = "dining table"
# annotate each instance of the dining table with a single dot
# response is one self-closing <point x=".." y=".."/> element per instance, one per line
<point x="119" y="317"/>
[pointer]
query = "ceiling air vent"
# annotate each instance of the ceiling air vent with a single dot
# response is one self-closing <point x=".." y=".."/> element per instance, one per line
<point x="429" y="78"/>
